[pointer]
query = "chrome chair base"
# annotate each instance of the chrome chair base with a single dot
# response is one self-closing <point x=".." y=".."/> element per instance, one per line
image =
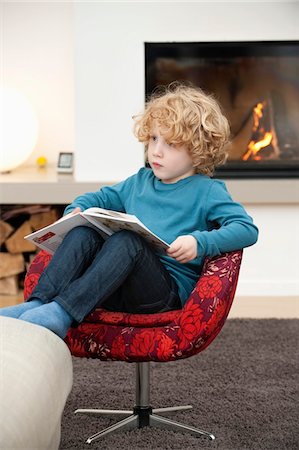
<point x="143" y="415"/>
<point x="139" y="419"/>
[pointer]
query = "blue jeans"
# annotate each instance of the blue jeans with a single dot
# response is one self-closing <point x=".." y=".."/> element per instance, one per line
<point x="121" y="273"/>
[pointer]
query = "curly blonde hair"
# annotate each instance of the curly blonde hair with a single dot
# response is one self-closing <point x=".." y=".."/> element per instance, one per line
<point x="187" y="117"/>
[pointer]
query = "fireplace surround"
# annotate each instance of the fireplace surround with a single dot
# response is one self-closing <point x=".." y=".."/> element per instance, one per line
<point x="257" y="84"/>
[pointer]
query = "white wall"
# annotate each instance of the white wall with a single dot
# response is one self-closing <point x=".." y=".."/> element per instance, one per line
<point x="271" y="267"/>
<point x="42" y="57"/>
<point x="37" y="58"/>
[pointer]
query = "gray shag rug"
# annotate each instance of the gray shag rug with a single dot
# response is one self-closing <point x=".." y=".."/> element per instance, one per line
<point x="243" y="388"/>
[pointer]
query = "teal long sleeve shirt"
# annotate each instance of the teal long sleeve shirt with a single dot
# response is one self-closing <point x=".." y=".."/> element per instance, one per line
<point x="196" y="205"/>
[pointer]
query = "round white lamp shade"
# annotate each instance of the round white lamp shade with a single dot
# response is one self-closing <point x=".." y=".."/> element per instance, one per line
<point x="18" y="129"/>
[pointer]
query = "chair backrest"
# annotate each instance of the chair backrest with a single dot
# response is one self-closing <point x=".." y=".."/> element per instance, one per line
<point x="156" y="337"/>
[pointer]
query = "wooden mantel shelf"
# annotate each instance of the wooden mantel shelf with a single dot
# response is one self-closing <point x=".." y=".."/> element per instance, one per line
<point x="30" y="185"/>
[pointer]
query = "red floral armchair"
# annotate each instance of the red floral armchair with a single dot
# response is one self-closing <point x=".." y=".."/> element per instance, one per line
<point x="161" y="337"/>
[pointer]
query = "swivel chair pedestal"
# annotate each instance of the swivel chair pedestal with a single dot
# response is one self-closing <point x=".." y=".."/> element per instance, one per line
<point x="142" y="415"/>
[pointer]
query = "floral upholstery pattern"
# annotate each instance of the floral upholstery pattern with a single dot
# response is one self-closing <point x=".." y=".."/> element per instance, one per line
<point x="155" y="337"/>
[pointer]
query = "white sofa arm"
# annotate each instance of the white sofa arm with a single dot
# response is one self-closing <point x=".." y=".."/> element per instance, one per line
<point x="36" y="377"/>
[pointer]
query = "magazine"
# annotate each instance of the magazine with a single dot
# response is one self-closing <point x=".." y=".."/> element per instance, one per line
<point x="105" y="221"/>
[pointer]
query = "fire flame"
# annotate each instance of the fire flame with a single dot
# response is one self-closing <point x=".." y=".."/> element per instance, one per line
<point x="264" y="137"/>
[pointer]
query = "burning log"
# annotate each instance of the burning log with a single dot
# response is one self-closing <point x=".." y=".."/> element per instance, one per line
<point x="236" y="149"/>
<point x="263" y="143"/>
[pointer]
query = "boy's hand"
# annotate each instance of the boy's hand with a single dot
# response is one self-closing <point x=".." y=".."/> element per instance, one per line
<point x="76" y="210"/>
<point x="183" y="249"/>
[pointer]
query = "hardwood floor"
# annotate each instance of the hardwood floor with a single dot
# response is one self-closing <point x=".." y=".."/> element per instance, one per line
<point x="253" y="307"/>
<point x="265" y="307"/>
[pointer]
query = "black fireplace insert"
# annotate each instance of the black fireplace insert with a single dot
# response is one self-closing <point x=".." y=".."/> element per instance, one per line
<point x="257" y="84"/>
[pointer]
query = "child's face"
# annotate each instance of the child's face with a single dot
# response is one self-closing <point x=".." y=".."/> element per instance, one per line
<point x="169" y="163"/>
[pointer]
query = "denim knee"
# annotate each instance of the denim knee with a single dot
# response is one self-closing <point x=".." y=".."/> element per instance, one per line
<point x="83" y="233"/>
<point x="127" y="237"/>
<point x="129" y="242"/>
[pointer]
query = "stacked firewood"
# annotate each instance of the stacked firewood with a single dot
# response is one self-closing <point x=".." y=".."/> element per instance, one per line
<point x="16" y="252"/>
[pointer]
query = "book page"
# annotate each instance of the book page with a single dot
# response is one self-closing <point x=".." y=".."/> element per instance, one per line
<point x="101" y="212"/>
<point x="50" y="237"/>
<point x="49" y="242"/>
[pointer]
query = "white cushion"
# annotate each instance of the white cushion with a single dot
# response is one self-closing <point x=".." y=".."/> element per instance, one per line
<point x="36" y="377"/>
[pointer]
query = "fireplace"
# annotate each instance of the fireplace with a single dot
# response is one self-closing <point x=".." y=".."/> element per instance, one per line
<point x="257" y="84"/>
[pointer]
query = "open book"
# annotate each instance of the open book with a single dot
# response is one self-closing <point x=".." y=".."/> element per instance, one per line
<point x="106" y="222"/>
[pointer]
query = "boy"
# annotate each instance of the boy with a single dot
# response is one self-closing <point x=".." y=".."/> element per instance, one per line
<point x="186" y="137"/>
